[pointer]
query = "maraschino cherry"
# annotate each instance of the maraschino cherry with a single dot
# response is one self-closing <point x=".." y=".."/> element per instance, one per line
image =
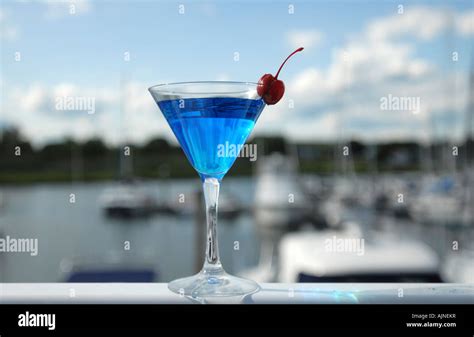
<point x="270" y="88"/>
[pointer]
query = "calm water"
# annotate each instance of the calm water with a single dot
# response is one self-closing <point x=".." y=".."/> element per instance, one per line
<point x="79" y="230"/>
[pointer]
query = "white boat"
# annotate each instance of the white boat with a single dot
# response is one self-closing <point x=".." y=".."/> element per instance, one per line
<point x="280" y="201"/>
<point x="281" y="204"/>
<point x="347" y="256"/>
<point x="127" y="200"/>
<point x="458" y="267"/>
<point x="442" y="202"/>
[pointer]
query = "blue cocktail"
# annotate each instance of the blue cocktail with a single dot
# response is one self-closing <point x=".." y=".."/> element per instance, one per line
<point x="204" y="116"/>
<point x="203" y="125"/>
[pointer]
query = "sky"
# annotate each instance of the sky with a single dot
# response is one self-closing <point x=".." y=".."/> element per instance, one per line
<point x="357" y="54"/>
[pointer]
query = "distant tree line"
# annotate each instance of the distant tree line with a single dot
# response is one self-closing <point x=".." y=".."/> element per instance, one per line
<point x="69" y="160"/>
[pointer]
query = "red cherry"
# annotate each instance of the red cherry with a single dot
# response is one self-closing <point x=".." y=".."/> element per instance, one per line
<point x="275" y="92"/>
<point x="264" y="84"/>
<point x="270" y="88"/>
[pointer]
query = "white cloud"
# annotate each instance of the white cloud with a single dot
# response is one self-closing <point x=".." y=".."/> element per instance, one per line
<point x="34" y="99"/>
<point x="356" y="65"/>
<point x="223" y="77"/>
<point x="126" y="115"/>
<point x="323" y="128"/>
<point x="61" y="8"/>
<point x="343" y="98"/>
<point x="7" y="30"/>
<point x="307" y="38"/>
<point x="141" y="116"/>
<point x="465" y="23"/>
<point x="373" y="64"/>
<point x="421" y="22"/>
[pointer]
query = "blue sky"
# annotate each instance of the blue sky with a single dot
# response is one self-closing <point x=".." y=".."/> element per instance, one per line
<point x="82" y="54"/>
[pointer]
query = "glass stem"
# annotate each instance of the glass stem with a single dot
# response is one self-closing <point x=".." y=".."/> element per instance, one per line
<point x="211" y="196"/>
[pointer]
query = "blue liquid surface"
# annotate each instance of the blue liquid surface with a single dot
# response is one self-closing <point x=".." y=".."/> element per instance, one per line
<point x="209" y="130"/>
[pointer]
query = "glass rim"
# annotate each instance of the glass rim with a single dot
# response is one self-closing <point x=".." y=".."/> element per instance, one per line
<point x="162" y="87"/>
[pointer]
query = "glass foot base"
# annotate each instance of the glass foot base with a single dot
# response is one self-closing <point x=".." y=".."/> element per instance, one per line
<point x="213" y="284"/>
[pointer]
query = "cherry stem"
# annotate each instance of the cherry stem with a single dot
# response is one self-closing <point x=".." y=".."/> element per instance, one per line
<point x="296" y="51"/>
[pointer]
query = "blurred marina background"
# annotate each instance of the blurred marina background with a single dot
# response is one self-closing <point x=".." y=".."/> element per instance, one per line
<point x="343" y="188"/>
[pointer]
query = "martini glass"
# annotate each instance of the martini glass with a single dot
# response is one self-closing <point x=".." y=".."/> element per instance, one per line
<point x="207" y="118"/>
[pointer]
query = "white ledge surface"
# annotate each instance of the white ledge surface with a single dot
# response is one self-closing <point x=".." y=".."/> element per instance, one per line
<point x="317" y="293"/>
